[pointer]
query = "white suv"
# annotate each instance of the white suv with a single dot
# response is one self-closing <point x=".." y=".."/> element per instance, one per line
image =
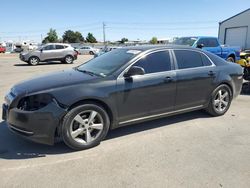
<point x="50" y="52"/>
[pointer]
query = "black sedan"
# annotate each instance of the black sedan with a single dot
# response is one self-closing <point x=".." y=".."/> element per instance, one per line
<point x="121" y="87"/>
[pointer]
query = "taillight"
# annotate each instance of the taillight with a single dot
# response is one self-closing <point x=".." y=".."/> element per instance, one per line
<point x="76" y="52"/>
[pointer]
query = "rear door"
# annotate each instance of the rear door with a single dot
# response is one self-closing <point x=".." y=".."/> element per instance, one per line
<point x="48" y="52"/>
<point x="59" y="52"/>
<point x="149" y="94"/>
<point x="195" y="77"/>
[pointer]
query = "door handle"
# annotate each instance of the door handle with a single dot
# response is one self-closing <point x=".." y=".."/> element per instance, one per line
<point x="168" y="79"/>
<point x="211" y="73"/>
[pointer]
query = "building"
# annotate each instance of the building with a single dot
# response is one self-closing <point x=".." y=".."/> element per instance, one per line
<point x="235" y="31"/>
<point x="162" y="41"/>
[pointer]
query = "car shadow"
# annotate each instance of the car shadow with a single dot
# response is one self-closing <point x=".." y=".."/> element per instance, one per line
<point x="15" y="147"/>
<point x="41" y="63"/>
<point x="245" y="88"/>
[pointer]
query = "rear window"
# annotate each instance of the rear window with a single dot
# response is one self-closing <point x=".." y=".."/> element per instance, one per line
<point x="205" y="60"/>
<point x="216" y="59"/>
<point x="59" y="47"/>
<point x="188" y="59"/>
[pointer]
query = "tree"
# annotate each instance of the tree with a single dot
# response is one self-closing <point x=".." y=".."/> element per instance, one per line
<point x="153" y="40"/>
<point x="51" y="36"/>
<point x="90" y="38"/>
<point x="123" y="40"/>
<point x="72" y="37"/>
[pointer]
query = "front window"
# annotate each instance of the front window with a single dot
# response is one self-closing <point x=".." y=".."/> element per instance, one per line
<point x="109" y="62"/>
<point x="189" y="41"/>
<point x="49" y="47"/>
<point x="155" y="62"/>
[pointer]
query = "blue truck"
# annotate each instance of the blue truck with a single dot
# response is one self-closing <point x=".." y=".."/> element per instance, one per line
<point x="212" y="45"/>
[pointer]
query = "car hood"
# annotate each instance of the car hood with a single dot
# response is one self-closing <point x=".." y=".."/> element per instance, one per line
<point x="53" y="80"/>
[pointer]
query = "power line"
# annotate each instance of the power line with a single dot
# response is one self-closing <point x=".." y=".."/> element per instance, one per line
<point x="157" y="28"/>
<point x="163" y="23"/>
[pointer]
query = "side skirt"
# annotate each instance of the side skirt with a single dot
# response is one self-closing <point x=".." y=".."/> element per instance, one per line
<point x="156" y="116"/>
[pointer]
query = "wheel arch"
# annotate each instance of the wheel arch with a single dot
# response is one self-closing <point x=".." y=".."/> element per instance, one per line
<point x="229" y="85"/>
<point x="97" y="102"/>
<point x="35" y="57"/>
<point x="232" y="55"/>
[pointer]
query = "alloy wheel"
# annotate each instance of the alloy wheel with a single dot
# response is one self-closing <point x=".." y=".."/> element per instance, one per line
<point x="68" y="59"/>
<point x="86" y="127"/>
<point x="221" y="100"/>
<point x="34" y="61"/>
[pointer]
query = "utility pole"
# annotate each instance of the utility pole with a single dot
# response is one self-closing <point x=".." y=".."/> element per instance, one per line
<point x="41" y="38"/>
<point x="104" y="34"/>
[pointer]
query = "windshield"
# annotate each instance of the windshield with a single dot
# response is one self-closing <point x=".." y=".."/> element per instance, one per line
<point x="109" y="62"/>
<point x="40" y="47"/>
<point x="185" y="41"/>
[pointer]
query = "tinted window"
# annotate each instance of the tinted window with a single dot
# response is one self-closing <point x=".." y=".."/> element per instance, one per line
<point x="210" y="42"/>
<point x="205" y="60"/>
<point x="49" y="47"/>
<point x="59" y="47"/>
<point x="188" y="59"/>
<point x="156" y="62"/>
<point x="185" y="41"/>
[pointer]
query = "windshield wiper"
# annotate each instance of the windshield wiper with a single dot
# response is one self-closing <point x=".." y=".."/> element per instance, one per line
<point x="89" y="72"/>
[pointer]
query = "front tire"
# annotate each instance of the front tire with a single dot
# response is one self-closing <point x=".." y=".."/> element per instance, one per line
<point x="34" y="61"/>
<point x="91" y="53"/>
<point x="85" y="126"/>
<point x="220" y="101"/>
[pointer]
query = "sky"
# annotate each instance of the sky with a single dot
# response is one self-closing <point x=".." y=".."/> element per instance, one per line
<point x="31" y="20"/>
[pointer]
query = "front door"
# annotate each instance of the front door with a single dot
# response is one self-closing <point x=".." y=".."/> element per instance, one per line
<point x="149" y="94"/>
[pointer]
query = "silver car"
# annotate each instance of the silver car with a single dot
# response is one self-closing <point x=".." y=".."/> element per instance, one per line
<point x="88" y="50"/>
<point x="50" y="52"/>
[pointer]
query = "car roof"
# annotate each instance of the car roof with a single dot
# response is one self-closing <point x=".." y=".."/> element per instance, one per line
<point x="198" y="37"/>
<point x="65" y="44"/>
<point x="158" y="47"/>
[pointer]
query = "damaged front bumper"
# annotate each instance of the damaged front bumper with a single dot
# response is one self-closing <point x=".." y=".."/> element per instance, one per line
<point x="39" y="125"/>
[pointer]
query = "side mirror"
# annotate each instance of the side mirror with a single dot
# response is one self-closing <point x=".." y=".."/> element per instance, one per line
<point x="134" y="70"/>
<point x="200" y="46"/>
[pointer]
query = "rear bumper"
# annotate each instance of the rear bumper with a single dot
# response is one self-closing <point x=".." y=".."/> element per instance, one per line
<point x="38" y="126"/>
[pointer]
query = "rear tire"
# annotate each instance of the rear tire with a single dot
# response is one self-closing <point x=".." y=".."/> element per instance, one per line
<point x="85" y="126"/>
<point x="231" y="59"/>
<point x="68" y="59"/>
<point x="34" y="61"/>
<point x="220" y="101"/>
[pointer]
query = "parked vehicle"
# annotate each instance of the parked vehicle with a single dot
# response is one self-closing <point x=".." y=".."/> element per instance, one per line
<point x="121" y="87"/>
<point x="88" y="50"/>
<point x="245" y="63"/>
<point x="105" y="50"/>
<point x="2" y="49"/>
<point x="212" y="45"/>
<point x="50" y="52"/>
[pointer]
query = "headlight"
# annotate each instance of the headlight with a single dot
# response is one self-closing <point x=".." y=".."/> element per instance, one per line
<point x="34" y="102"/>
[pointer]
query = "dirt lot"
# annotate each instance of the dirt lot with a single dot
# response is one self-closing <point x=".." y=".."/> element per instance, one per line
<point x="190" y="150"/>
